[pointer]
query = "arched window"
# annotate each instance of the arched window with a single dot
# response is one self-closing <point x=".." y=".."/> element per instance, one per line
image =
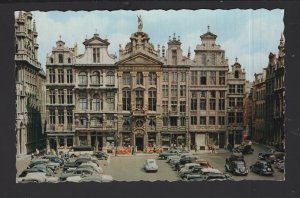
<point x="95" y="78"/>
<point x="82" y="78"/>
<point x="236" y="74"/>
<point x="139" y="78"/>
<point x="60" y="58"/>
<point x="110" y="77"/>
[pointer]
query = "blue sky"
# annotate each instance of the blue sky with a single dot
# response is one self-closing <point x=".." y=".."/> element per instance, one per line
<point x="249" y="35"/>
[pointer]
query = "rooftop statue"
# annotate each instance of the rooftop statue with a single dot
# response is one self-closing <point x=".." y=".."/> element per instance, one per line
<point x="140" y="23"/>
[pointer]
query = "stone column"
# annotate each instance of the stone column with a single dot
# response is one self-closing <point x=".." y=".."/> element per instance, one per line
<point x="119" y="94"/>
<point x="89" y="139"/>
<point x="56" y="75"/>
<point x="133" y="84"/>
<point x="75" y="140"/>
<point x="18" y="141"/>
<point x="65" y="142"/>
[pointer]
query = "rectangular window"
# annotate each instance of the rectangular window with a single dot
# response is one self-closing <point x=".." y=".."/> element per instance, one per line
<point x="165" y="106"/>
<point x="182" y="90"/>
<point x="202" y="104"/>
<point x="60" y="76"/>
<point x="222" y="78"/>
<point x="165" y="76"/>
<point x="240" y="88"/>
<point x="193" y="120"/>
<point x="152" y="78"/>
<point x="239" y="102"/>
<point x="174" y="77"/>
<point x="69" y="76"/>
<point x="194" y="79"/>
<point x="231" y="88"/>
<point x="202" y="94"/>
<point x="212" y="78"/>
<point x="212" y="104"/>
<point x="182" y="121"/>
<point x="212" y="120"/>
<point x="221" y="120"/>
<point x="231" y="119"/>
<point x="202" y="120"/>
<point x="174" y="90"/>
<point x="139" y="78"/>
<point x="221" y="104"/>
<point x="182" y="106"/>
<point x="152" y="100"/>
<point x="61" y="97"/>
<point x="212" y="94"/>
<point x="174" y="57"/>
<point x="173" y="121"/>
<point x="52" y="116"/>
<point x="239" y="117"/>
<point x="193" y="103"/>
<point x="165" y="121"/>
<point x="203" y="78"/>
<point x="174" y="106"/>
<point x="83" y="104"/>
<point x="52" y="96"/>
<point x="60" y="116"/>
<point x="109" y="119"/>
<point x="96" y="55"/>
<point x="183" y="77"/>
<point x="139" y="99"/>
<point x="70" y="117"/>
<point x="126" y="100"/>
<point x="126" y="78"/>
<point x="222" y="94"/>
<point x="69" y="96"/>
<point x="165" y="90"/>
<point x="110" y="100"/>
<point x="231" y="102"/>
<point x="51" y="75"/>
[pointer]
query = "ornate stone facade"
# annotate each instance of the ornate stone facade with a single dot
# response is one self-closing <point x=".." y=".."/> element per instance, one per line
<point x="30" y="92"/>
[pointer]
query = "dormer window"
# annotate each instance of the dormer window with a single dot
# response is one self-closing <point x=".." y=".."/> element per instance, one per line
<point x="236" y="74"/>
<point x="60" y="58"/>
<point x="96" y="55"/>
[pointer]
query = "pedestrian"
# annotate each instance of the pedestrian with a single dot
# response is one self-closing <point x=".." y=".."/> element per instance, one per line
<point x="132" y="150"/>
<point x="195" y="148"/>
<point x="213" y="149"/>
<point x="37" y="152"/>
<point x="250" y="142"/>
<point x="32" y="156"/>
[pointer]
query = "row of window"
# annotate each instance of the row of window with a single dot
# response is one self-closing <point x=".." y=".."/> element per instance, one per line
<point x="211" y="120"/>
<point x="61" y="96"/>
<point x="139" y="99"/>
<point x="60" y="59"/>
<point x="60" y="116"/>
<point x="204" y="80"/>
<point x="126" y="78"/>
<point x="236" y="88"/>
<point x="174" y="76"/>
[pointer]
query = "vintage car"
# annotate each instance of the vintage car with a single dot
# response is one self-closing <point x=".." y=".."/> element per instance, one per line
<point x="150" y="165"/>
<point x="37" y="177"/>
<point x="187" y="169"/>
<point x="244" y="149"/>
<point x="78" y="172"/>
<point x="54" y="158"/>
<point x="237" y="167"/>
<point x="262" y="167"/>
<point x="91" y="178"/>
<point x="271" y="156"/>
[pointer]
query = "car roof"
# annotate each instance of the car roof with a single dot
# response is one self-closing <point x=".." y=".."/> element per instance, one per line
<point x="210" y="170"/>
<point x="191" y="164"/>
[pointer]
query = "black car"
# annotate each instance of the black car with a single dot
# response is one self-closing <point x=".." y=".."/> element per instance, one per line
<point x="237" y="167"/>
<point x="234" y="157"/>
<point x="262" y="168"/>
<point x="100" y="155"/>
<point x="271" y="156"/>
<point x="244" y="149"/>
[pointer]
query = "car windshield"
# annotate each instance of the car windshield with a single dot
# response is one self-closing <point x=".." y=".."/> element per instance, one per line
<point x="150" y="162"/>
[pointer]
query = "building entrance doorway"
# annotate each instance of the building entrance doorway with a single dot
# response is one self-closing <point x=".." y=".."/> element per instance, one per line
<point x="139" y="142"/>
<point x="222" y="140"/>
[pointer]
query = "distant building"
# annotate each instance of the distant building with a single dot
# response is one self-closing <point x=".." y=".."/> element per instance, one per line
<point x="30" y="92"/>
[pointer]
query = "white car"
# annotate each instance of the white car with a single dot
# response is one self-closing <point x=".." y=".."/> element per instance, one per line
<point x="92" y="165"/>
<point x="92" y="178"/>
<point x="150" y="165"/>
<point x="187" y="169"/>
<point x="37" y="177"/>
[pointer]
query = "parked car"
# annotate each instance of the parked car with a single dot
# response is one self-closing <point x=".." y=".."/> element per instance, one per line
<point x="187" y="159"/>
<point x="100" y="155"/>
<point x="75" y="162"/>
<point x="36" y="177"/>
<point x="77" y="172"/>
<point x="54" y="158"/>
<point x="78" y="150"/>
<point x="217" y="177"/>
<point x="173" y="157"/>
<point x="262" y="167"/>
<point x="92" y="165"/>
<point x="280" y="165"/>
<point x="166" y="154"/>
<point x="271" y="156"/>
<point x="187" y="169"/>
<point x="203" y="163"/>
<point x="235" y="157"/>
<point x="34" y="169"/>
<point x="236" y="167"/>
<point x="52" y="165"/>
<point x="196" y="170"/>
<point x="244" y="149"/>
<point x="150" y="165"/>
<point x="92" y="178"/>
